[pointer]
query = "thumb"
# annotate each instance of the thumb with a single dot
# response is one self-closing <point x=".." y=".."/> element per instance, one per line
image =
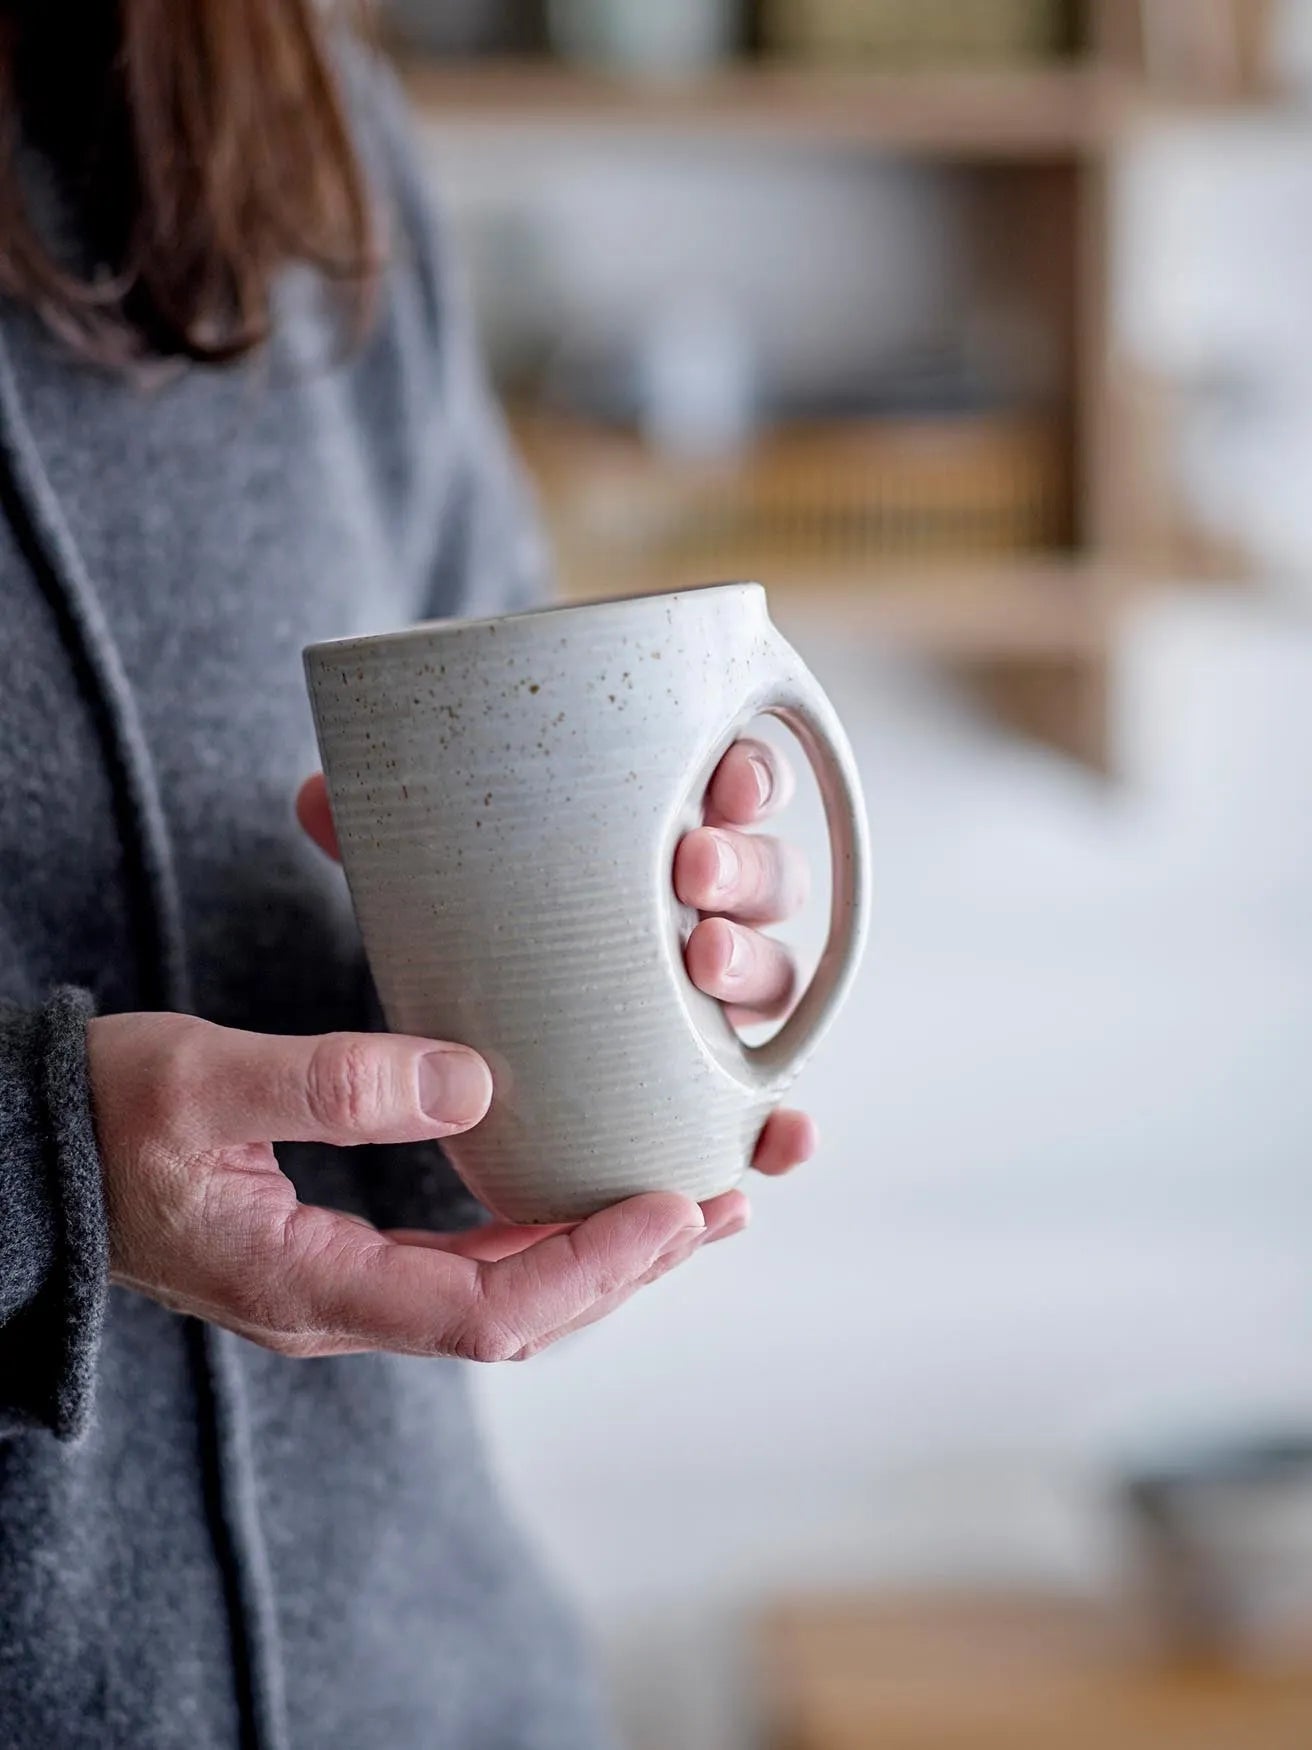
<point x="222" y="1086"/>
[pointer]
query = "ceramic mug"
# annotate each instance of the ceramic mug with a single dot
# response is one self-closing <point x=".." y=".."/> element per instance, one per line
<point x="508" y="795"/>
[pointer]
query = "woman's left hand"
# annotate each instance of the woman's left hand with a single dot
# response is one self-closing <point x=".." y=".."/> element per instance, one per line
<point x="737" y="880"/>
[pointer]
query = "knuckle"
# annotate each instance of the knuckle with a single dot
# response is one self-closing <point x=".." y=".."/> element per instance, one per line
<point x="783" y="999"/>
<point x="760" y="874"/>
<point x="172" y="1087"/>
<point x="345" y="1086"/>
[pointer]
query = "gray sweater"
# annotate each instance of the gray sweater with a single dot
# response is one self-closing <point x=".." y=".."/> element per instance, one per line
<point x="202" y="1543"/>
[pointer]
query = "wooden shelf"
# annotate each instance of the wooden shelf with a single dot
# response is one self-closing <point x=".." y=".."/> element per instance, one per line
<point x="1034" y="632"/>
<point x="1006" y="1674"/>
<point x="1043" y="609"/>
<point x="1057" y="111"/>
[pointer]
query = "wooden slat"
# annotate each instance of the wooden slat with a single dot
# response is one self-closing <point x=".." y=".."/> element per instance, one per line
<point x="1004" y="114"/>
<point x="1001" y="1674"/>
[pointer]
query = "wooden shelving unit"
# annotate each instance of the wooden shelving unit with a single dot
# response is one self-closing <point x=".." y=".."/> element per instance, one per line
<point x="1034" y="145"/>
<point x="999" y="1673"/>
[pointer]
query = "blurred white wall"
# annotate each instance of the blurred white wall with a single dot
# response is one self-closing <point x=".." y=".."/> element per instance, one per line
<point x="1065" y="1200"/>
<point x="834" y="266"/>
<point x="1216" y="293"/>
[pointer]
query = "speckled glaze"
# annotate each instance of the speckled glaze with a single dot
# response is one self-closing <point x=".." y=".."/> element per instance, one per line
<point x="508" y="795"/>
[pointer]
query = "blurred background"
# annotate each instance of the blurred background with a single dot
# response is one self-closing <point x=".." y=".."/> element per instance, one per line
<point x="981" y="332"/>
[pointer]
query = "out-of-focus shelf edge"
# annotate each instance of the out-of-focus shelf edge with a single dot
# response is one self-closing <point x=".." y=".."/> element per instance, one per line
<point x="1046" y="110"/>
<point x="988" y="611"/>
<point x="1060" y="109"/>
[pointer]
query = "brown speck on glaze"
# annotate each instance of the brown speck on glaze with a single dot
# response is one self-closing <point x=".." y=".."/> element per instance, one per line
<point x="534" y="688"/>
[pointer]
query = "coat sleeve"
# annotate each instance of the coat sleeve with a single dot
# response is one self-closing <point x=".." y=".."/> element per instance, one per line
<point x="53" y="1236"/>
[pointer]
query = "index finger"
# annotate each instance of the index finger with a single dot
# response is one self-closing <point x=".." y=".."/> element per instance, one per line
<point x="753" y="780"/>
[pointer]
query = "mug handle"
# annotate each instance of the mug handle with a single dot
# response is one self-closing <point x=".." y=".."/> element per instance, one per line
<point x="800" y="703"/>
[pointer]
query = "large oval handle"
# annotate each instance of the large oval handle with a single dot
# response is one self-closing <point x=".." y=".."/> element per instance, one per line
<point x="801" y="705"/>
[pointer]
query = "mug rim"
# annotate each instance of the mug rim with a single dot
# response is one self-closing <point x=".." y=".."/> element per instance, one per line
<point x="603" y="605"/>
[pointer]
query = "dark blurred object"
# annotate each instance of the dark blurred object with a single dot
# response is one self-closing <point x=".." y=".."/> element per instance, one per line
<point x="465" y="27"/>
<point x="1225" y="1548"/>
<point x="1003" y="1672"/>
<point x="602" y="378"/>
<point x="661" y="37"/>
<point x="919" y="32"/>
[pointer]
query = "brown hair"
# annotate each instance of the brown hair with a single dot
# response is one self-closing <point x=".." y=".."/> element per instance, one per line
<point x="203" y="146"/>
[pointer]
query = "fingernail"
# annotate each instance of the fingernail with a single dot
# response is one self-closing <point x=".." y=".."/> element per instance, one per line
<point x="736" y="964"/>
<point x="454" y="1087"/>
<point x="727" y="864"/>
<point x="764" y="779"/>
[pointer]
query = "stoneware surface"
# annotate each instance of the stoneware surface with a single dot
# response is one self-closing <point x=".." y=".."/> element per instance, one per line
<point x="508" y="794"/>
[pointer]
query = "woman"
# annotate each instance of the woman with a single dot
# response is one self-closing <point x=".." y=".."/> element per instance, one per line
<point x="241" y="1498"/>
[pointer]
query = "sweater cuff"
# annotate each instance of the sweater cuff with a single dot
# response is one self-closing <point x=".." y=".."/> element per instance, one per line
<point x="50" y="1338"/>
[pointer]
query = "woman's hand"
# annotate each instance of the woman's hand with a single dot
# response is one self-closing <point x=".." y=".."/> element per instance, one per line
<point x="202" y="1219"/>
<point x="736" y="880"/>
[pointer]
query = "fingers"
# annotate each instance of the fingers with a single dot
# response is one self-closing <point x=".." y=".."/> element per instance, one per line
<point x="314" y="811"/>
<point x="788" y="1140"/>
<point x="209" y="1086"/>
<point x="755" y="879"/>
<point x="750" y="782"/>
<point x="742" y="967"/>
<point x="344" y="1288"/>
<point x="320" y="1283"/>
<point x="724" y="1216"/>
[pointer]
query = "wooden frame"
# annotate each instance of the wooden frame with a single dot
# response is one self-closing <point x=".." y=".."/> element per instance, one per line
<point x="1035" y="635"/>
